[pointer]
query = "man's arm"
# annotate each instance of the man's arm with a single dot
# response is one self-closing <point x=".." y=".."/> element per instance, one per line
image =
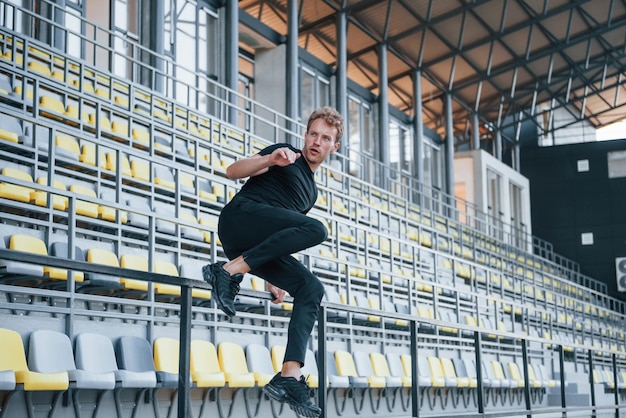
<point x="259" y="164"/>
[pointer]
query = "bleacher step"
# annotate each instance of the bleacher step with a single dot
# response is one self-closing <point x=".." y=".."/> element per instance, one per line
<point x="571" y="399"/>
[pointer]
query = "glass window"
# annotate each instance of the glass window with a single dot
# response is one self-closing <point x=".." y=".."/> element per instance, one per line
<point x="307" y="94"/>
<point x="314" y="91"/>
<point x="354" y="141"/>
<point x="191" y="40"/>
<point x="73" y="25"/>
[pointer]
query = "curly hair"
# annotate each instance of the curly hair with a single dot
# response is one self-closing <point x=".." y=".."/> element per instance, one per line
<point x="331" y="117"/>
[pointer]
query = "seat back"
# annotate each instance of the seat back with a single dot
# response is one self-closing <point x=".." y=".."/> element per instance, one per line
<point x="12" y="348"/>
<point x="50" y="352"/>
<point x="363" y="363"/>
<point x="60" y="250"/>
<point x="345" y="364"/>
<point x="259" y="363"/>
<point x="27" y="243"/>
<point x="166" y="355"/>
<point x="278" y="354"/>
<point x="106" y="257"/>
<point x="234" y="365"/>
<point x="134" y="354"/>
<point x="394" y="364"/>
<point x="380" y="366"/>
<point x="203" y="357"/>
<point x="95" y="353"/>
<point x="232" y="358"/>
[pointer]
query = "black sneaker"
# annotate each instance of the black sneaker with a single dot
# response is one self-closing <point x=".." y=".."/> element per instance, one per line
<point x="295" y="392"/>
<point x="225" y="287"/>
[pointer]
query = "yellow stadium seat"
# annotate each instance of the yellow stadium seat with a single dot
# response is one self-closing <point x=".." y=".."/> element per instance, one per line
<point x="82" y="207"/>
<point x="41" y="198"/>
<point x="14" y="358"/>
<point x="134" y="262"/>
<point x="14" y="191"/>
<point x="233" y="363"/>
<point x="204" y="365"/>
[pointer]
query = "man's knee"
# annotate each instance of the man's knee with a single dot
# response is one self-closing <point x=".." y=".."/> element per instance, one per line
<point x="316" y="290"/>
<point x="318" y="231"/>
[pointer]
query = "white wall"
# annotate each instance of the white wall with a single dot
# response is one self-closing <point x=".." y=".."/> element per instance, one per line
<point x="470" y="174"/>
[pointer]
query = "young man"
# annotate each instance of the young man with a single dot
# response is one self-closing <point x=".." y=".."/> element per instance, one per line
<point x="262" y="226"/>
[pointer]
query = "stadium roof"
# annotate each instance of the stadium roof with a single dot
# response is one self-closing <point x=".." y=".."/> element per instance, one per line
<point x="504" y="58"/>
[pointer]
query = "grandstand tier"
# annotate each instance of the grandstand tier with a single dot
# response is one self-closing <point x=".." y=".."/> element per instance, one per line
<point x="423" y="314"/>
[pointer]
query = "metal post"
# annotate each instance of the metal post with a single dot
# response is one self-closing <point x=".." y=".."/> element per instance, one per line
<point x="475" y="131"/>
<point x="418" y="132"/>
<point x="449" y="150"/>
<point x="615" y="382"/>
<point x="321" y="360"/>
<point x="415" y="390"/>
<point x="292" y="66"/>
<point x="593" y="389"/>
<point x="232" y="58"/>
<point x="383" y="113"/>
<point x="341" y="94"/>
<point x="479" y="372"/>
<point x="184" y="409"/>
<point x="526" y="380"/>
<point x="562" y="376"/>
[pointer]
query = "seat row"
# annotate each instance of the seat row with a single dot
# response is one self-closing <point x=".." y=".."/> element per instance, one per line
<point x="19" y="273"/>
<point x="94" y="362"/>
<point x="16" y="272"/>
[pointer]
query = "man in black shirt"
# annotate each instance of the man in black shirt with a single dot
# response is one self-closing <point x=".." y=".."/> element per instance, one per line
<point x="262" y="226"/>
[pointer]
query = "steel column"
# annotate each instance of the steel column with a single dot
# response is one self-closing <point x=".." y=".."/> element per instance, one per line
<point x="231" y="53"/>
<point x="292" y="66"/>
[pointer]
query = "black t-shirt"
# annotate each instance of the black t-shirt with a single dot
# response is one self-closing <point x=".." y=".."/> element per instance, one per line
<point x="290" y="187"/>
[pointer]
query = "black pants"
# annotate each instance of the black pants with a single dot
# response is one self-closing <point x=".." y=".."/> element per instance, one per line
<point x="266" y="236"/>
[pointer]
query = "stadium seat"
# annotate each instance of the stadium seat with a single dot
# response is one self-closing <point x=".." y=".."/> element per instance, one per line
<point x="95" y="355"/>
<point x="347" y="367"/>
<point x="141" y="207"/>
<point x="6" y="89"/>
<point x="16" y="271"/>
<point x="332" y="296"/>
<point x="234" y="365"/>
<point x="11" y="130"/>
<point x="93" y="155"/>
<point x="60" y="250"/>
<point x="462" y="383"/>
<point x="309" y="370"/>
<point x="165" y="354"/>
<point x="82" y="207"/>
<point x="15" y="373"/>
<point x="211" y="224"/>
<point x="108" y="213"/>
<point x="188" y="232"/>
<point x="134" y="286"/>
<point x="259" y="362"/>
<point x="140" y="169"/>
<point x="15" y="191"/>
<point x="380" y="367"/>
<point x="111" y="165"/>
<point x="134" y="354"/>
<point x="97" y="282"/>
<point x="205" y="190"/>
<point x="164" y="177"/>
<point x="192" y="269"/>
<point x="164" y="210"/>
<point x="205" y="368"/>
<point x="205" y="371"/>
